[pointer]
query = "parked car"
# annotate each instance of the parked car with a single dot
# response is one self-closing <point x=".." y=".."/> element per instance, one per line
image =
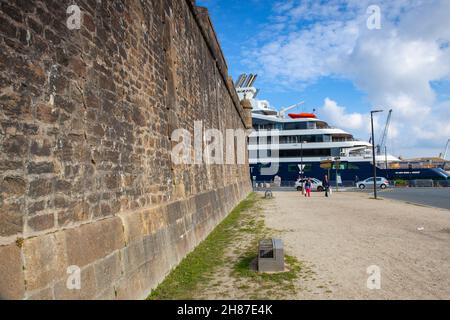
<point x="316" y="184"/>
<point x="382" y="183"/>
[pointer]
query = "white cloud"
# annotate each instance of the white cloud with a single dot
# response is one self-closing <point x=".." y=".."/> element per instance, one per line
<point x="395" y="66"/>
<point x="339" y="116"/>
<point x="354" y="122"/>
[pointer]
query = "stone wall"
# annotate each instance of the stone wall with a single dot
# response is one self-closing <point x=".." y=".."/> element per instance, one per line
<point x="86" y="176"/>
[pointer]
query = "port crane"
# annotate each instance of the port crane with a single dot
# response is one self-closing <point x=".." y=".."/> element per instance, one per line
<point x="444" y="155"/>
<point x="282" y="112"/>
<point x="382" y="143"/>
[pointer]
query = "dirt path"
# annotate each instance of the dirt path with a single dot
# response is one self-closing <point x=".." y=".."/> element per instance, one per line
<point x="238" y="279"/>
<point x="342" y="236"/>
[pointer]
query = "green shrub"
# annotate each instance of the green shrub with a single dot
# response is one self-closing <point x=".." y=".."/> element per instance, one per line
<point x="401" y="183"/>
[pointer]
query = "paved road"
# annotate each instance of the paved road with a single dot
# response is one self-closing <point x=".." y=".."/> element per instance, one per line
<point x="343" y="235"/>
<point x="433" y="197"/>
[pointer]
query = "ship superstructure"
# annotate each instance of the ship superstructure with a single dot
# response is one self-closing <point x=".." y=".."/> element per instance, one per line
<point x="301" y="143"/>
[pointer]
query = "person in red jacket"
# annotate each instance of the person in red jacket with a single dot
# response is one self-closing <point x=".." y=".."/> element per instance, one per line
<point x="308" y="186"/>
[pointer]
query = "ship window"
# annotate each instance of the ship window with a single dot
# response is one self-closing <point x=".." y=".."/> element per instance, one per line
<point x="266" y="126"/>
<point x="295" y="126"/>
<point x="288" y="139"/>
<point x="264" y="140"/>
<point x="342" y="166"/>
<point x="322" y="125"/>
<point x="311" y="138"/>
<point x="352" y="166"/>
<point x="317" y="138"/>
<point x="305" y="153"/>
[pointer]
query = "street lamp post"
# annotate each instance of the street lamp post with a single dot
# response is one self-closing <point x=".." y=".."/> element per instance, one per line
<point x="385" y="157"/>
<point x="337" y="163"/>
<point x="302" y="165"/>
<point x="373" y="155"/>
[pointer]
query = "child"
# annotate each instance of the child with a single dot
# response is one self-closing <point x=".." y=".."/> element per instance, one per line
<point x="308" y="188"/>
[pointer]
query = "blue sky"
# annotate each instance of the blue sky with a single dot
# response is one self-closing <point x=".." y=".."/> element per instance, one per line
<point x="322" y="52"/>
<point x="237" y="24"/>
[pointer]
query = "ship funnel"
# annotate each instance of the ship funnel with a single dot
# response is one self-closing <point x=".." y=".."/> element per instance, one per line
<point x="241" y="80"/>
<point x="250" y="80"/>
<point x="245" y="81"/>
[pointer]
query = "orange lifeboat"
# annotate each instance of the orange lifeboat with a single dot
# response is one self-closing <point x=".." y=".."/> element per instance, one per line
<point x="302" y="115"/>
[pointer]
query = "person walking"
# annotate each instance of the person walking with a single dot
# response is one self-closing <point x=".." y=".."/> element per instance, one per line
<point x="356" y="180"/>
<point x="308" y="186"/>
<point x="326" y="185"/>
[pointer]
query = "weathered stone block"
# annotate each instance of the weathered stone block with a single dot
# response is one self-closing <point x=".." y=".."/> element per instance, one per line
<point x="93" y="241"/>
<point x="47" y="113"/>
<point x="11" y="219"/>
<point x="12" y="12"/>
<point x="108" y="271"/>
<point x="75" y="212"/>
<point x="133" y="256"/>
<point x="133" y="225"/>
<point x="35" y="25"/>
<point x="40" y="148"/>
<point x="41" y="222"/>
<point x="12" y="286"/>
<point x="13" y="186"/>
<point x="45" y="260"/>
<point x="7" y="28"/>
<point x="15" y="146"/>
<point x="35" y="207"/>
<point x="108" y="294"/>
<point x="6" y="165"/>
<point x="44" y="294"/>
<point x="40" y="188"/>
<point x="40" y="167"/>
<point x="131" y="286"/>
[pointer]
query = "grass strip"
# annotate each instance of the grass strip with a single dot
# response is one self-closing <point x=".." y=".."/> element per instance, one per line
<point x="196" y="267"/>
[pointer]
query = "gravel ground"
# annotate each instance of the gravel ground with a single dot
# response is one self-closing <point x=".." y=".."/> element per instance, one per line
<point x="340" y="237"/>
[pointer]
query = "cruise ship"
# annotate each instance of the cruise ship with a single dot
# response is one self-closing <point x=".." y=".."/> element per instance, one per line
<point x="286" y="146"/>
